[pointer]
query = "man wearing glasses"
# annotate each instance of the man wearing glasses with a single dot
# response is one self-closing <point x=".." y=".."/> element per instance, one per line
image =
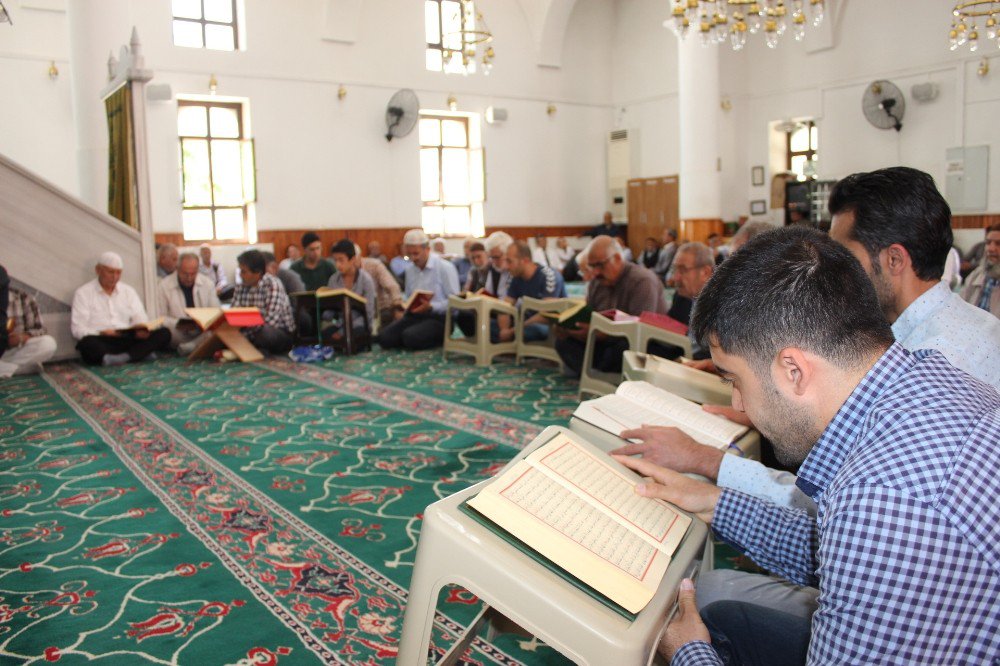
<point x="615" y="285"/>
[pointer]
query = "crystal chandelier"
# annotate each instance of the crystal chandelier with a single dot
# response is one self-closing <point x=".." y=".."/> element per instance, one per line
<point x="963" y="24"/>
<point x="460" y="46"/>
<point x="719" y="20"/>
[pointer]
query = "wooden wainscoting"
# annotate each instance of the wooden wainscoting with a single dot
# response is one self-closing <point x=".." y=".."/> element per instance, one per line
<point x="388" y="237"/>
<point x="974" y="221"/>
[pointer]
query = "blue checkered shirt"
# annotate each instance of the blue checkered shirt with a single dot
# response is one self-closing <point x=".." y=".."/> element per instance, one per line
<point x="905" y="546"/>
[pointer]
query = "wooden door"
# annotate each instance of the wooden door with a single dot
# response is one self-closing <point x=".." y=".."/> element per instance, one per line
<point x="670" y="212"/>
<point x="636" y="210"/>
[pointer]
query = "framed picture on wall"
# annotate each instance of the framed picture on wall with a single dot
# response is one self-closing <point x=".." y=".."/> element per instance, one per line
<point x="758" y="207"/>
<point x="757" y="176"/>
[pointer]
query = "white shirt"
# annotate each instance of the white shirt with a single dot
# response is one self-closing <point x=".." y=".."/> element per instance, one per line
<point x="95" y="311"/>
<point x="547" y="257"/>
<point x="952" y="275"/>
<point x="939" y="319"/>
<point x="171" y="299"/>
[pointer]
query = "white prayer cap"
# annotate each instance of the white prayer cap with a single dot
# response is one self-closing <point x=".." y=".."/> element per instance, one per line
<point x="415" y="237"/>
<point x="111" y="260"/>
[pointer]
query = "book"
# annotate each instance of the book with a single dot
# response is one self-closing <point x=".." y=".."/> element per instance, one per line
<point x="416" y="299"/>
<point x="572" y="316"/>
<point x="617" y="315"/>
<point x="327" y="292"/>
<point x="663" y="321"/>
<point x="696" y="385"/>
<point x="576" y="507"/>
<point x="210" y="318"/>
<point x="144" y="326"/>
<point x="635" y="404"/>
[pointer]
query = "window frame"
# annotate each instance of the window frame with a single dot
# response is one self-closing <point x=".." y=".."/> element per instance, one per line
<point x="246" y="207"/>
<point x="203" y="22"/>
<point x="809" y="153"/>
<point x="474" y="207"/>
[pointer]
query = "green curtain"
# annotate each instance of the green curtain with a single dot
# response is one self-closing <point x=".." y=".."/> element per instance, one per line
<point x="121" y="157"/>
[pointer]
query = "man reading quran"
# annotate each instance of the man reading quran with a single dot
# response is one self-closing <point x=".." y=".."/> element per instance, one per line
<point x="897" y="450"/>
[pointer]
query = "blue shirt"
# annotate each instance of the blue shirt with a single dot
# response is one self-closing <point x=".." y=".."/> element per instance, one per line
<point x="967" y="336"/>
<point x="399" y="264"/>
<point x="438" y="276"/>
<point x="906" y="541"/>
<point x="545" y="283"/>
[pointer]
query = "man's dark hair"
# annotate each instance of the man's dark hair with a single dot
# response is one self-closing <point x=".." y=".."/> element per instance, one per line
<point x="897" y="205"/>
<point x="523" y="250"/>
<point x="993" y="227"/>
<point x="268" y="257"/>
<point x="343" y="246"/>
<point x="253" y="261"/>
<point x="477" y="247"/>
<point x="791" y="287"/>
<point x="308" y="238"/>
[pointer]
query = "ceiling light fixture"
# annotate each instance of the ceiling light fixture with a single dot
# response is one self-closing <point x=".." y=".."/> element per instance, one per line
<point x="719" y="20"/>
<point x="964" y="30"/>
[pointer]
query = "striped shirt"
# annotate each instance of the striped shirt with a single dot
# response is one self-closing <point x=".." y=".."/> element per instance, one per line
<point x="906" y="540"/>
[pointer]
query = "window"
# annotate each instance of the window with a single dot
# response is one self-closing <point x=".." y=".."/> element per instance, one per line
<point x="217" y="169"/>
<point x="452" y="174"/>
<point x="802" y="144"/>
<point x="443" y="29"/>
<point x="209" y="24"/>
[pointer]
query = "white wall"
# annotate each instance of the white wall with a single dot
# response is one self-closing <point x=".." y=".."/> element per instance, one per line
<point x="324" y="162"/>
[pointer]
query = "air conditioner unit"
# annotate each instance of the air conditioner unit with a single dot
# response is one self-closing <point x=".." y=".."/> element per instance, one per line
<point x="623" y="160"/>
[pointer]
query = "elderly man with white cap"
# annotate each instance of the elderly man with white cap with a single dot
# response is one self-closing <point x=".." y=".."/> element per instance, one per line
<point x="422" y="327"/>
<point x="102" y="311"/>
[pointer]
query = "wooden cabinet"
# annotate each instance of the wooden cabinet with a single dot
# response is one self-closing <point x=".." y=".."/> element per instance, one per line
<point x="653" y="205"/>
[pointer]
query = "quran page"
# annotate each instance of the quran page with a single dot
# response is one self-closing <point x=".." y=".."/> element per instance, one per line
<point x="576" y="506"/>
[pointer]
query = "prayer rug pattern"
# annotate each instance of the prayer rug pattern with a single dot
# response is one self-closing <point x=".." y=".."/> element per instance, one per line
<point x="172" y="513"/>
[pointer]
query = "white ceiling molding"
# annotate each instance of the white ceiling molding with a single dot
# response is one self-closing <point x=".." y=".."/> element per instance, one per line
<point x="548" y="20"/>
<point x="341" y="21"/>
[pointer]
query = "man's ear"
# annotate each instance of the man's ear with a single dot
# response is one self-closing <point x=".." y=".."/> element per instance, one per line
<point x="895" y="259"/>
<point x="793" y="371"/>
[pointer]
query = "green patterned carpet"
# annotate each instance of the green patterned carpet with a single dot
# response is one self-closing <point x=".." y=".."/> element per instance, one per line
<point x="259" y="513"/>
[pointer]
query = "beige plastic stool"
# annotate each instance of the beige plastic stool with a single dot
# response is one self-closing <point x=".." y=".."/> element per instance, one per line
<point x="648" y="332"/>
<point x="595" y="382"/>
<point x="545" y="348"/>
<point x="479" y="347"/>
<point x="455" y="549"/>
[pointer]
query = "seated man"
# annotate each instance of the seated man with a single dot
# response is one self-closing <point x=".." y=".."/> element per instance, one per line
<point x="463" y="264"/>
<point x="562" y="254"/>
<point x="479" y="270"/>
<point x="692" y="267"/>
<point x="29" y="344"/>
<point x="399" y="263"/>
<point x="982" y="287"/>
<point x="375" y="252"/>
<point x="166" y="260"/>
<point x="262" y="290"/>
<point x="214" y="272"/>
<point x="543" y="255"/>
<point x="292" y="254"/>
<point x="102" y="310"/>
<point x="607" y="227"/>
<point x="290" y="280"/>
<point x="897" y="450"/>
<point x="423" y="326"/>
<point x="497" y="283"/>
<point x="349" y="276"/>
<point x="615" y="284"/>
<point x="314" y="270"/>
<point x="535" y="281"/>
<point x="389" y="297"/>
<point x="187" y="288"/>
<point x="665" y="257"/>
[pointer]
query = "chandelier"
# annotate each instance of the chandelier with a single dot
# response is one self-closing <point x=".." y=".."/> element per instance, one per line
<point x="468" y="35"/>
<point x="963" y="24"/>
<point x="719" y="20"/>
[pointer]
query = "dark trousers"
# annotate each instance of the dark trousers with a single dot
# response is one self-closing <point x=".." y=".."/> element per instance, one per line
<point x="413" y="332"/>
<point x="748" y="634"/>
<point x="271" y="339"/>
<point x="93" y="347"/>
<point x="607" y="353"/>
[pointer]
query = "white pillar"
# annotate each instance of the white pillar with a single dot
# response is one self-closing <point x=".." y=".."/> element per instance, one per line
<point x="699" y="98"/>
<point x="96" y="28"/>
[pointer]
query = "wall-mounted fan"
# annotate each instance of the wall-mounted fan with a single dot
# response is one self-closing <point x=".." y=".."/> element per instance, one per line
<point x="401" y="113"/>
<point x="884" y="105"/>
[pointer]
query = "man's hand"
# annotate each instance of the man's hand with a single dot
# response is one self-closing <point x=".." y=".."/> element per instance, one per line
<point x="111" y="333"/>
<point x="729" y="413"/>
<point x="142" y="333"/>
<point x="705" y="365"/>
<point x="397" y="313"/>
<point x="580" y="332"/>
<point x="672" y="448"/>
<point x="686" y="625"/>
<point x="422" y="308"/>
<point x="697" y="497"/>
<point x="16" y="339"/>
